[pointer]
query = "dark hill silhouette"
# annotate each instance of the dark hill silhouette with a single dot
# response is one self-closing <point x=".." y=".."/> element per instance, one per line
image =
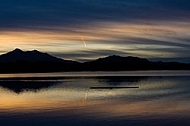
<point x="30" y="56"/>
<point x="118" y="63"/>
<point x="119" y="59"/>
<point x="18" y="61"/>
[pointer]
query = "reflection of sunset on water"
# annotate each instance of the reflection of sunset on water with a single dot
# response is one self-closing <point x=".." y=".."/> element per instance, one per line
<point x="156" y="97"/>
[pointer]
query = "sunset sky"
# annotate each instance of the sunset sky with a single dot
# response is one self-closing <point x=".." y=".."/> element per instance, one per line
<point x="87" y="29"/>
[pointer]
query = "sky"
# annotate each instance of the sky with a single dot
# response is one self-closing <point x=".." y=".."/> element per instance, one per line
<point x="83" y="30"/>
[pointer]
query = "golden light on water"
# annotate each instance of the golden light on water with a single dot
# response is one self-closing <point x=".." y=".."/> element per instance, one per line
<point x="42" y="101"/>
<point x="151" y="99"/>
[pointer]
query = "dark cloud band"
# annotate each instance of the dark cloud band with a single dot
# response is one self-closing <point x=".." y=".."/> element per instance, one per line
<point x="35" y="14"/>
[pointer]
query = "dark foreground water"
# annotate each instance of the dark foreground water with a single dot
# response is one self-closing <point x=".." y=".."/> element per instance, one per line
<point x="163" y="98"/>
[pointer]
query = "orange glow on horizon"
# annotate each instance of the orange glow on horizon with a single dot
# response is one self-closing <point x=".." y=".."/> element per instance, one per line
<point x="108" y="36"/>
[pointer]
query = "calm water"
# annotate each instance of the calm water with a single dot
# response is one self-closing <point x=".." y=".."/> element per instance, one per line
<point x="163" y="98"/>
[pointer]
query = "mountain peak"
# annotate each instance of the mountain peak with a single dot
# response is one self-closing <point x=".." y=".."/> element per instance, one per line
<point x="115" y="59"/>
<point x="114" y="56"/>
<point x="35" y="50"/>
<point x="17" y="50"/>
<point x="18" y="55"/>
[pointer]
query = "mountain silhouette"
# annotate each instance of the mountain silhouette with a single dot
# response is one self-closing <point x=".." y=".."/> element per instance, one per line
<point x="30" y="56"/>
<point x="118" y="63"/>
<point x="18" y="61"/>
<point x="119" y="59"/>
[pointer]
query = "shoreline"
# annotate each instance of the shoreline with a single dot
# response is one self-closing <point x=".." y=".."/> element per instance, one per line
<point x="62" y="75"/>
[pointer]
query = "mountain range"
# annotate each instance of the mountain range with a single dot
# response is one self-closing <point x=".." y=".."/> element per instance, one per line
<point x="18" y="61"/>
<point x="29" y="56"/>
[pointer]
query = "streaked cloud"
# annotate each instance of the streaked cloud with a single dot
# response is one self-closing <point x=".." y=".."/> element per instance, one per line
<point x="153" y="29"/>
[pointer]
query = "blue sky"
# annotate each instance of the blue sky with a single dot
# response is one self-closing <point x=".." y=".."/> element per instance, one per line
<point x="88" y="29"/>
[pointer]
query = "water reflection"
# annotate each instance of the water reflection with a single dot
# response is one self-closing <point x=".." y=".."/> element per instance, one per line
<point x="69" y="101"/>
<point x="120" y="80"/>
<point x="20" y="86"/>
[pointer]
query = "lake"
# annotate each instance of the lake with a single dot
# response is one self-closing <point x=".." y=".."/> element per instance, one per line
<point x="57" y="99"/>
